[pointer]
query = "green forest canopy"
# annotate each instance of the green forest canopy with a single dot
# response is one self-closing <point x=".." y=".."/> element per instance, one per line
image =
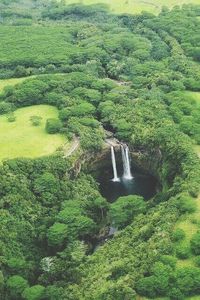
<point x="138" y="76"/>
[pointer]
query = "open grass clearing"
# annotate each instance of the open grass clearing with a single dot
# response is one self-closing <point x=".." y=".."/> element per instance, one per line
<point x="22" y="139"/>
<point x="136" y="6"/>
<point x="190" y="225"/>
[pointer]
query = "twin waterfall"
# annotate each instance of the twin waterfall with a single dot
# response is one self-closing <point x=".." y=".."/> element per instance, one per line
<point x="115" y="178"/>
<point x="126" y="163"/>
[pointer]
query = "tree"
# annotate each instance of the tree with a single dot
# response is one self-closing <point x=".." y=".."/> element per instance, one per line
<point x="46" y="182"/>
<point x="124" y="210"/>
<point x="16" y="285"/>
<point x="21" y="71"/>
<point x="53" y="292"/>
<point x="17" y="264"/>
<point x="35" y="292"/>
<point x="91" y="95"/>
<point x="97" y="209"/>
<point x="82" y="109"/>
<point x="92" y="140"/>
<point x="157" y="284"/>
<point x="78" y="223"/>
<point x="57" y="234"/>
<point x="188" y="280"/>
<point x="53" y="126"/>
<point x="146" y="287"/>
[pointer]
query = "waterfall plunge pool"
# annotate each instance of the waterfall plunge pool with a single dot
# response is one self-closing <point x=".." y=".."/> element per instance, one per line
<point x="140" y="183"/>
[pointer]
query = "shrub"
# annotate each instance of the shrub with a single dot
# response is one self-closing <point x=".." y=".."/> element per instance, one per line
<point x="53" y="126"/>
<point x="5" y="107"/>
<point x="11" y="117"/>
<point x="195" y="243"/>
<point x="35" y="120"/>
<point x="178" y="235"/>
<point x="57" y="234"/>
<point x="35" y="292"/>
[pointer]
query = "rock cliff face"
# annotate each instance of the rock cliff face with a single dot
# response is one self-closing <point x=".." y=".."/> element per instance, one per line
<point x="148" y="163"/>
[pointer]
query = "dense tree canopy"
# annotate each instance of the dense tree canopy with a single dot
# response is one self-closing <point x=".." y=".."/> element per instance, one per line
<point x="136" y="76"/>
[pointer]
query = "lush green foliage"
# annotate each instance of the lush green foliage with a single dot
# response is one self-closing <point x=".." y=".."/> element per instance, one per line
<point x="125" y="209"/>
<point x="127" y="74"/>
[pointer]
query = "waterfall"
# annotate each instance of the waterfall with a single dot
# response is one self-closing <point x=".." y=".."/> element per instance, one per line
<point x="115" y="178"/>
<point x="126" y="162"/>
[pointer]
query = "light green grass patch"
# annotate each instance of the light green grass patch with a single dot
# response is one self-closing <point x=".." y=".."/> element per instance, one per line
<point x="186" y="223"/>
<point x="197" y="149"/>
<point x="194" y="95"/>
<point x="136" y="6"/>
<point x="12" y="81"/>
<point x="22" y="139"/>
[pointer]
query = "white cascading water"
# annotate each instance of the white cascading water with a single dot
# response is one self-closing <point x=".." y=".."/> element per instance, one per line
<point x="115" y="178"/>
<point x="126" y="162"/>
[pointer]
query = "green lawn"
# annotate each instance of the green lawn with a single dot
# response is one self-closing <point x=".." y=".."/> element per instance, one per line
<point x="22" y="139"/>
<point x="136" y="6"/>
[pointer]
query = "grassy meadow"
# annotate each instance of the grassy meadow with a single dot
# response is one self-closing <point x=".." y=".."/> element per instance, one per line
<point x="22" y="139"/>
<point x="136" y="6"/>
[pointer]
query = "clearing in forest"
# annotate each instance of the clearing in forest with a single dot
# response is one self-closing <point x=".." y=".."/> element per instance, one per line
<point x="136" y="6"/>
<point x="22" y="139"/>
